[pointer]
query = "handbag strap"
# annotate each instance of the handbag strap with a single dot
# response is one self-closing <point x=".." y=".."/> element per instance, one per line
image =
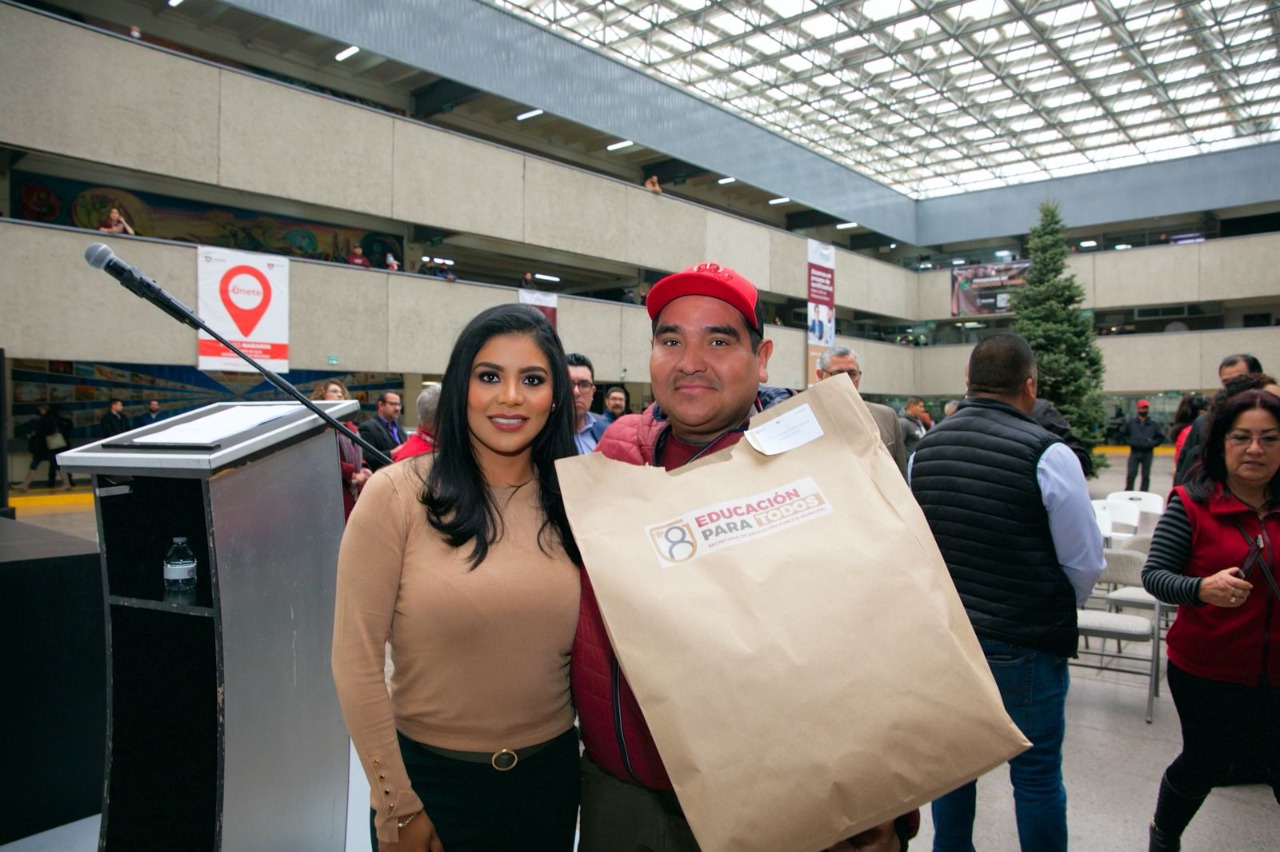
<point x="1258" y="554"/>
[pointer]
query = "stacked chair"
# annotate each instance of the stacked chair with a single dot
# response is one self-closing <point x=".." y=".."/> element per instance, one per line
<point x="1123" y="611"/>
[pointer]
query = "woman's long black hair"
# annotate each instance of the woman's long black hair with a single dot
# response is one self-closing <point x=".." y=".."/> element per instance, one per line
<point x="1189" y="408"/>
<point x="458" y="500"/>
<point x="1211" y="468"/>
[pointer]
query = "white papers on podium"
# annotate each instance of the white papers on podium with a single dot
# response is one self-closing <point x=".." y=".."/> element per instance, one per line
<point x="218" y="426"/>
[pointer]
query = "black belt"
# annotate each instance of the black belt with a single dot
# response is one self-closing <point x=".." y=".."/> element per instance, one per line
<point x="503" y="760"/>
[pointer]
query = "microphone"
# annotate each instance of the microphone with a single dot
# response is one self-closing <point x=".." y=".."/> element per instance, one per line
<point x="102" y="257"/>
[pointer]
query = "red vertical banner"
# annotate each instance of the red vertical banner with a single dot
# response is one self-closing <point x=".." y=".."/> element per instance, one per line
<point x="544" y="303"/>
<point x="822" y="304"/>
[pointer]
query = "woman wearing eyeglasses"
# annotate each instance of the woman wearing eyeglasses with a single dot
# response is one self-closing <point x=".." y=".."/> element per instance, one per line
<point x="1214" y="554"/>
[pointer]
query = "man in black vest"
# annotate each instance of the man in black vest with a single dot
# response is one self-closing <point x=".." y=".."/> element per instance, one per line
<point x="1008" y="505"/>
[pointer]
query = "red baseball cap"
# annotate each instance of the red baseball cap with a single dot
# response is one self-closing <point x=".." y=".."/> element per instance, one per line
<point x="706" y="279"/>
<point x="1142" y="403"/>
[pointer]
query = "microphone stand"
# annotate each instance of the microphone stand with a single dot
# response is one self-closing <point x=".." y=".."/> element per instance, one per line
<point x="145" y="288"/>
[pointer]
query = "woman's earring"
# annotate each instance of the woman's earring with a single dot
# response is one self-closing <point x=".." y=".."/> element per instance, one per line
<point x="553" y="406"/>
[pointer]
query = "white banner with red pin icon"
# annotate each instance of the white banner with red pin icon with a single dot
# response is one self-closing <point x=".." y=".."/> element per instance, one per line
<point x="243" y="296"/>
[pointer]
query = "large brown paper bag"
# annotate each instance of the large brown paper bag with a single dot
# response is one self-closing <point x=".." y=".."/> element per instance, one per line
<point x="789" y="628"/>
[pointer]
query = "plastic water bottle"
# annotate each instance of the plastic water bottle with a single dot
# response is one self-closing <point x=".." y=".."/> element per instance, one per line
<point x="179" y="568"/>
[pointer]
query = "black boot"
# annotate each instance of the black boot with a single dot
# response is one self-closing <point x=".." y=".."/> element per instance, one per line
<point x="1160" y="842"/>
<point x="1173" y="811"/>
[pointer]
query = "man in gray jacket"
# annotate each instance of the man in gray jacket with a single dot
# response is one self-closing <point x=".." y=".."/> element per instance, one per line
<point x="841" y="359"/>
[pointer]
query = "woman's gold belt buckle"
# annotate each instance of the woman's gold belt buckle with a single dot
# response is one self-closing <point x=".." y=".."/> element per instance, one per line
<point x="504" y="760"/>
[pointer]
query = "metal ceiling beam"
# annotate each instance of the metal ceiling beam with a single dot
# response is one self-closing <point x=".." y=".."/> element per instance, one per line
<point x="531" y="65"/>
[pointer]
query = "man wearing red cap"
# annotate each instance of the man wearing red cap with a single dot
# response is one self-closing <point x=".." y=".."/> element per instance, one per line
<point x="707" y="361"/>
<point x="1143" y="435"/>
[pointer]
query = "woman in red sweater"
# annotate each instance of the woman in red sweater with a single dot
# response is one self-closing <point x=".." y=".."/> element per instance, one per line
<point x="350" y="456"/>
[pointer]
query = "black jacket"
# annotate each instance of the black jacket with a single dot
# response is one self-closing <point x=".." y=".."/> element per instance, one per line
<point x="1047" y="415"/>
<point x="375" y="432"/>
<point x="113" y="424"/>
<point x="1143" y="435"/>
<point x="975" y="477"/>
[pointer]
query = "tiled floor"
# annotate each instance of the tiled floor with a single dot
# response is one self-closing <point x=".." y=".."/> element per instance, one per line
<point x="1113" y="758"/>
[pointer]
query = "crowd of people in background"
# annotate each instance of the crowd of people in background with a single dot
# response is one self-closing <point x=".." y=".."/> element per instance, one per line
<point x="472" y="497"/>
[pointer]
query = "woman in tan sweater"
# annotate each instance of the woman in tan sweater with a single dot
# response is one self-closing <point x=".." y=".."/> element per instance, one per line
<point x="464" y="562"/>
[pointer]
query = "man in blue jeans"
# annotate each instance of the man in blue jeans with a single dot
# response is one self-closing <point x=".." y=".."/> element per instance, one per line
<point x="1008" y="505"/>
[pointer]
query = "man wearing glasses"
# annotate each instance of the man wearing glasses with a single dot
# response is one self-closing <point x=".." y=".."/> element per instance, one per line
<point x="587" y="427"/>
<point x="842" y="359"/>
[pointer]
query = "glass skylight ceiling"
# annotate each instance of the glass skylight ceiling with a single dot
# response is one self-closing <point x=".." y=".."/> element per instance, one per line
<point x="935" y="97"/>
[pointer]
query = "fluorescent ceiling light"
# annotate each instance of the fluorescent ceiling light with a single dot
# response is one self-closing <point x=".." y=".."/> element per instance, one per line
<point x="957" y="261"/>
<point x="175" y="3"/>
<point x="725" y="180"/>
<point x="1123" y="246"/>
<point x="783" y="200"/>
<point x="533" y="113"/>
<point x="1004" y="253"/>
<point x="1088" y="244"/>
<point x="348" y="53"/>
<point x="542" y="277"/>
<point x="618" y="146"/>
<point x="444" y="260"/>
<point x="844" y="226"/>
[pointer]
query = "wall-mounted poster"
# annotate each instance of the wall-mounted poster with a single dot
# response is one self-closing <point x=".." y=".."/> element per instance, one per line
<point x="245" y="298"/>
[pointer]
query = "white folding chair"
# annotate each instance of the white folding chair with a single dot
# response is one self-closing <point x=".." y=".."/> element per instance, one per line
<point x="1125" y="518"/>
<point x="1124" y="566"/>
<point x="1123" y="628"/>
<point x="1124" y="569"/>
<point x="1151" y="507"/>
<point x="1146" y="500"/>
<point x="1104" y="521"/>
<point x="1137" y="543"/>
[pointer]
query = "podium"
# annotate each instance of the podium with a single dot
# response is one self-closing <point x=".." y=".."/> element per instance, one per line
<point x="223" y="726"/>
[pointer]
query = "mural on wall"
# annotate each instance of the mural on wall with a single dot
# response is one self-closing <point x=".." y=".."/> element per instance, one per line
<point x="61" y="201"/>
<point x="82" y="390"/>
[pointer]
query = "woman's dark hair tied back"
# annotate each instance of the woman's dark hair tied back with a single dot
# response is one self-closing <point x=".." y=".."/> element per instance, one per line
<point x="457" y="500"/>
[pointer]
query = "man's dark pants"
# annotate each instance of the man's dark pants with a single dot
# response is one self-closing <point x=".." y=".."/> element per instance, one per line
<point x="1139" y="458"/>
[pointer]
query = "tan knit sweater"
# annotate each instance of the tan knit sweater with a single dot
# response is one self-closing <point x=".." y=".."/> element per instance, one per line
<point x="481" y="656"/>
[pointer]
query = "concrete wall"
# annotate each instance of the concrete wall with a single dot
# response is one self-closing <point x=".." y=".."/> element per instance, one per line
<point x="395" y="322"/>
<point x="183" y="119"/>
<point x="1182" y="361"/>
<point x="1135" y="363"/>
<point x="1235" y="268"/>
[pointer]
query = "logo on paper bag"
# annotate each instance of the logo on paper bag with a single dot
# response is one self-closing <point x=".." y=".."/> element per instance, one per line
<point x="709" y="528"/>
